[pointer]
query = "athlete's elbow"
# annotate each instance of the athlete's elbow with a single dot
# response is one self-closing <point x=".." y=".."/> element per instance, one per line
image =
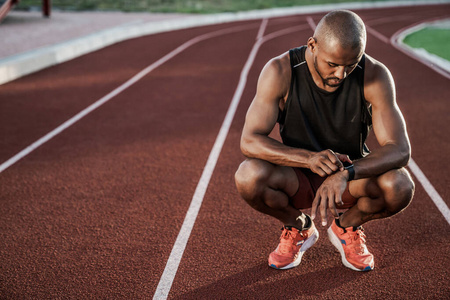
<point x="404" y="155"/>
<point x="403" y="160"/>
<point x="247" y="146"/>
<point x="246" y="150"/>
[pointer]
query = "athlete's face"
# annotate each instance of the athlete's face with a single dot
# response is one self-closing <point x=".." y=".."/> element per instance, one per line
<point x="333" y="74"/>
<point x="333" y="63"/>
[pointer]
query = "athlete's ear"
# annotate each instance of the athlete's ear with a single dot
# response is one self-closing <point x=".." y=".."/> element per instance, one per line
<point x="312" y="44"/>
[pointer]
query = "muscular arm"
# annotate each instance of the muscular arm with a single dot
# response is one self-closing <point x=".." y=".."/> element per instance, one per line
<point x="272" y="91"/>
<point x="388" y="125"/>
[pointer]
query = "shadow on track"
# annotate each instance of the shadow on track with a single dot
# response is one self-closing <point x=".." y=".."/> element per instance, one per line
<point x="262" y="280"/>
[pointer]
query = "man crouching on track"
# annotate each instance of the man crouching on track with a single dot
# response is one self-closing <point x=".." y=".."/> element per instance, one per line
<point x="325" y="96"/>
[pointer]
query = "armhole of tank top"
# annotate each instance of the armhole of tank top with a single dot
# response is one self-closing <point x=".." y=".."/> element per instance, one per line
<point x="366" y="106"/>
<point x="366" y="113"/>
<point x="291" y="84"/>
<point x="282" y="113"/>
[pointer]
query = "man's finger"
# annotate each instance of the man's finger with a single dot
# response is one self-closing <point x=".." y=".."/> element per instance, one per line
<point x="332" y="157"/>
<point x="328" y="167"/>
<point x="338" y="200"/>
<point x="323" y="210"/>
<point x="334" y="166"/>
<point x="318" y="170"/>
<point x="344" y="158"/>
<point x="332" y="205"/>
<point x="335" y="162"/>
<point x="314" y="206"/>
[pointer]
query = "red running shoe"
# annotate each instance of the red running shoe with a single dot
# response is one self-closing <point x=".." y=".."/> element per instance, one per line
<point x="293" y="243"/>
<point x="351" y="243"/>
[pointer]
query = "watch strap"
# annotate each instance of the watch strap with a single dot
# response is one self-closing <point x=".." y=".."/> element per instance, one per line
<point x="351" y="172"/>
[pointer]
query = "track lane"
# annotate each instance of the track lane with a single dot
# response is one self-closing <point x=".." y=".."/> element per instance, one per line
<point x="108" y="183"/>
<point x="36" y="104"/>
<point x="78" y="210"/>
<point x="176" y="254"/>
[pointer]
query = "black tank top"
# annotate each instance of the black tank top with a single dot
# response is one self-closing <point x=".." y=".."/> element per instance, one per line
<point x="316" y="120"/>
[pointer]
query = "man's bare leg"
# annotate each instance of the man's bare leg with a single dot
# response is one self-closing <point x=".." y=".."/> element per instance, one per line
<point x="267" y="187"/>
<point x="378" y="198"/>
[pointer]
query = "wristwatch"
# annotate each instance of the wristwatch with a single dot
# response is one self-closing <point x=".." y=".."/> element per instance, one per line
<point x="351" y="172"/>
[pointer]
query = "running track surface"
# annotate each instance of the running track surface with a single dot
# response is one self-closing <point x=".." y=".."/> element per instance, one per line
<point x="95" y="211"/>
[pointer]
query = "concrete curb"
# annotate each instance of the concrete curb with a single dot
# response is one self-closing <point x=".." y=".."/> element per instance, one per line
<point x="20" y="65"/>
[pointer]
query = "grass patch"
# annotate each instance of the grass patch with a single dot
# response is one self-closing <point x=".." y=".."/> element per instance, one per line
<point x="434" y="40"/>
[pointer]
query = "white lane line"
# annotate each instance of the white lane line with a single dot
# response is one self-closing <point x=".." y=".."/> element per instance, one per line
<point x="389" y="19"/>
<point x="377" y="35"/>
<point x="262" y="28"/>
<point x="396" y="40"/>
<point x="166" y="280"/>
<point x="311" y="23"/>
<point x="284" y="32"/>
<point x="431" y="191"/>
<point x="115" y="92"/>
<point x="165" y="283"/>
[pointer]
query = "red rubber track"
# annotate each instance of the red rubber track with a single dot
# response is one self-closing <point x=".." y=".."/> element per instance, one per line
<point x="94" y="212"/>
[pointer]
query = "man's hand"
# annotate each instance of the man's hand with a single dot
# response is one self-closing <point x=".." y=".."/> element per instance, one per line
<point x="327" y="162"/>
<point x="329" y="195"/>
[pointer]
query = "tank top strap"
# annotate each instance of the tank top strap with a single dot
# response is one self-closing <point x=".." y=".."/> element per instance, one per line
<point x="296" y="58"/>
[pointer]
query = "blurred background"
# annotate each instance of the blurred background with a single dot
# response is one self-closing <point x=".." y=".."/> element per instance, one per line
<point x="179" y="6"/>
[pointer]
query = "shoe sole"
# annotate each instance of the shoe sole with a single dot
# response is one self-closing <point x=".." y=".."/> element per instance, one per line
<point x="306" y="245"/>
<point x="337" y="243"/>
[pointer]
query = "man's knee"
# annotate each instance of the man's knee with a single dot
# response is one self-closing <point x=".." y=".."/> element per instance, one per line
<point x="250" y="176"/>
<point x="398" y="189"/>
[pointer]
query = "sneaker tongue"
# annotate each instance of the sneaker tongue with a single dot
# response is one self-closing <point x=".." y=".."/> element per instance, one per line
<point x="290" y="228"/>
<point x="355" y="228"/>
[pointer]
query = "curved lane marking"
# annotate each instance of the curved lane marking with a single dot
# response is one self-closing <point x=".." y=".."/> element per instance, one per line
<point x="396" y="41"/>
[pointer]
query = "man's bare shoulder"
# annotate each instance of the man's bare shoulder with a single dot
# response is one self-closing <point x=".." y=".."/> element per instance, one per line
<point x="378" y="81"/>
<point x="275" y="76"/>
<point x="375" y="70"/>
<point x="279" y="66"/>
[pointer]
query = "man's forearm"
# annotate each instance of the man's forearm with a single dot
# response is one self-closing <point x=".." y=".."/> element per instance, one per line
<point x="381" y="160"/>
<point x="268" y="149"/>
